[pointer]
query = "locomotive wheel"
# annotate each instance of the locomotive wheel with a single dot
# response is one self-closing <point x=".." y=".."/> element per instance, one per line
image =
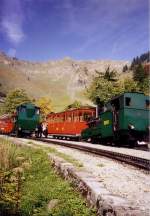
<point x="19" y="133"/>
<point x="93" y="140"/>
<point x="36" y="135"/>
<point x="132" y="143"/>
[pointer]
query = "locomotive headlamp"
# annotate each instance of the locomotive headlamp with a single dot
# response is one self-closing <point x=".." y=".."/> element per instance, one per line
<point x="131" y="126"/>
<point x="36" y="129"/>
<point x="19" y="128"/>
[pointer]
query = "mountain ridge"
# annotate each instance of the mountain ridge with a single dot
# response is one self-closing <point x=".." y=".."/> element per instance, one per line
<point x="62" y="80"/>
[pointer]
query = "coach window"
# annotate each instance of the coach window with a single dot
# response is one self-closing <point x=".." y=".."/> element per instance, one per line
<point x="69" y="118"/>
<point x="85" y="116"/>
<point x="147" y="104"/>
<point x="128" y="101"/>
<point x="81" y="117"/>
<point x="75" y="118"/>
<point x="72" y="116"/>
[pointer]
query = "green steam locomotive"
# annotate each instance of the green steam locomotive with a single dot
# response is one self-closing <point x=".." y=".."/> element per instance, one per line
<point x="124" y="120"/>
<point x="26" y="120"/>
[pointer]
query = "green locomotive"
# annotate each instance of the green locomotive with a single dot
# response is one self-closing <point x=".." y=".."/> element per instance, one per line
<point x="27" y="119"/>
<point x="124" y="120"/>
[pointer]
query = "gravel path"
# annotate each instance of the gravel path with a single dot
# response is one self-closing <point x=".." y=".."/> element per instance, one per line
<point x="120" y="179"/>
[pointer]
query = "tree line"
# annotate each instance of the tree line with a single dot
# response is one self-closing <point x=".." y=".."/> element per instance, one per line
<point x="107" y="85"/>
<point x="19" y="96"/>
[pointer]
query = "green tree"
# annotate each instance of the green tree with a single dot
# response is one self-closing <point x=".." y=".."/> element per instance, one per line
<point x="75" y="104"/>
<point x="142" y="78"/>
<point x="145" y="86"/>
<point x="45" y="105"/>
<point x="129" y="85"/>
<point x="110" y="75"/>
<point x="102" y="90"/>
<point x="125" y="68"/>
<point x="14" y="99"/>
<point x="139" y="73"/>
<point x="1" y="109"/>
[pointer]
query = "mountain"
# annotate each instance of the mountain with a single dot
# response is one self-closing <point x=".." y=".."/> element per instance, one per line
<point x="62" y="80"/>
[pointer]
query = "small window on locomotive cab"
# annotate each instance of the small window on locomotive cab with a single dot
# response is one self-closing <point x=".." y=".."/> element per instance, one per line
<point x="147" y="104"/>
<point x="22" y="109"/>
<point x="128" y="101"/>
<point x="37" y="111"/>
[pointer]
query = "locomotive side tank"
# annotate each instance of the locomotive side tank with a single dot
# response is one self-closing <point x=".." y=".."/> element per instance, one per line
<point x="124" y="121"/>
<point x="27" y="119"/>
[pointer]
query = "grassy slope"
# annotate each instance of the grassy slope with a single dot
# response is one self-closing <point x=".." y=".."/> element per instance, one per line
<point x="35" y="87"/>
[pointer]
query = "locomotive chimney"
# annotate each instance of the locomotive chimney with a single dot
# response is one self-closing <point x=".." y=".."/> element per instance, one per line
<point x="97" y="110"/>
<point x="97" y="106"/>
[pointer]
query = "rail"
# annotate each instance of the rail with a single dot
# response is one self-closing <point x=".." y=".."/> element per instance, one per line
<point x="128" y="159"/>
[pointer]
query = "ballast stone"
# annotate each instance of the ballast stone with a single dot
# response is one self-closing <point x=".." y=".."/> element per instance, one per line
<point x="94" y="191"/>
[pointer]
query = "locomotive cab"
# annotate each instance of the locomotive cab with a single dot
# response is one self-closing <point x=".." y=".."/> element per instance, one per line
<point x="130" y="118"/>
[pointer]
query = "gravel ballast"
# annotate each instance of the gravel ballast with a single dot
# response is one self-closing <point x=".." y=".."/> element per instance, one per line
<point x="127" y="151"/>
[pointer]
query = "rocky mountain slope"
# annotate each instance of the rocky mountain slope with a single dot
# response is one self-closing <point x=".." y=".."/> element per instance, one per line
<point x="62" y="80"/>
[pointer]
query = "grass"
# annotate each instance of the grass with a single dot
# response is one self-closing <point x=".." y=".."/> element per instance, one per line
<point x="66" y="157"/>
<point x="8" y="152"/>
<point x="11" y="171"/>
<point x="43" y="185"/>
<point x="39" y="184"/>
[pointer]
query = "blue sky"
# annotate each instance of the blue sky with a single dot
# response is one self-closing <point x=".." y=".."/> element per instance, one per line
<point x="81" y="29"/>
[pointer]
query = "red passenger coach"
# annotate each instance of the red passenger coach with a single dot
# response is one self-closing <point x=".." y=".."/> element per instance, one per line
<point x="6" y="124"/>
<point x="69" y="123"/>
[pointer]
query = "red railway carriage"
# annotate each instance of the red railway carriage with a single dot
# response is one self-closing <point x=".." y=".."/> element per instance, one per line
<point x="69" y="123"/>
<point x="6" y="124"/>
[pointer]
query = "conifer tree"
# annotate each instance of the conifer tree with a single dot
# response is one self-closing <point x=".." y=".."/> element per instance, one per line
<point x="139" y="74"/>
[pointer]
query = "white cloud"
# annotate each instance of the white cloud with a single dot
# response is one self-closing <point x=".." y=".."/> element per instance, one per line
<point x="12" y="21"/>
<point x="13" y="31"/>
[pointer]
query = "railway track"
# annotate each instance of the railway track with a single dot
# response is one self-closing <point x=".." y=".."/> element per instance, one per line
<point x="128" y="159"/>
